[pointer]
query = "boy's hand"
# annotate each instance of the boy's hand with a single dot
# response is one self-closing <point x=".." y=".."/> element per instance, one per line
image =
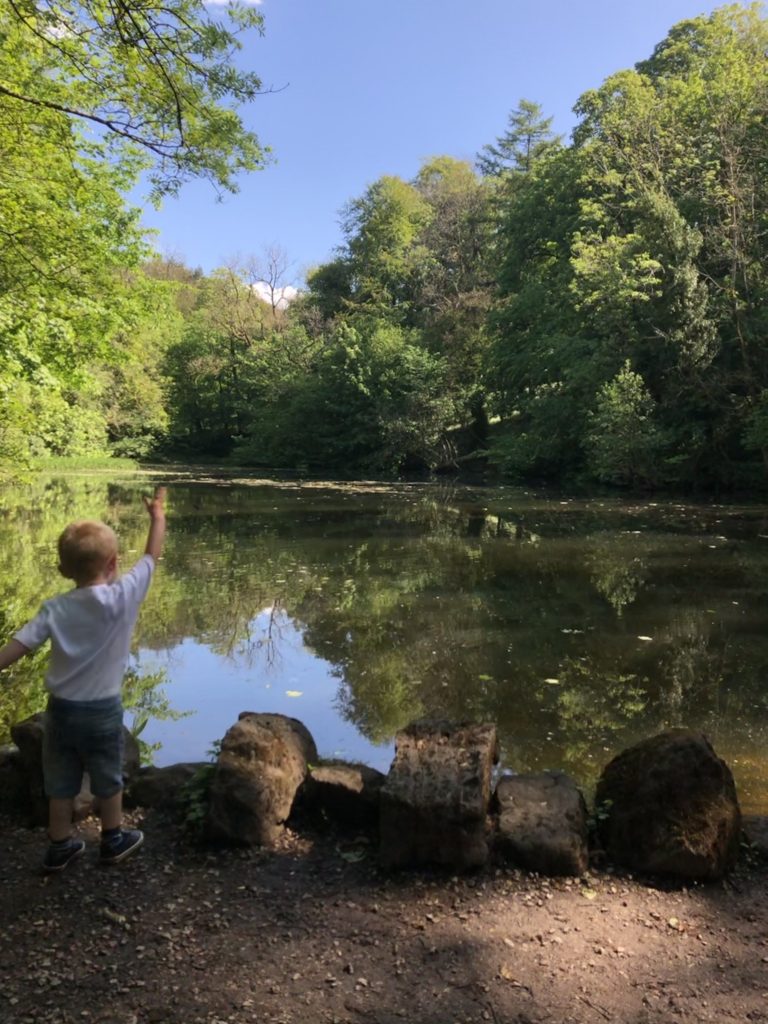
<point x="156" y="505"/>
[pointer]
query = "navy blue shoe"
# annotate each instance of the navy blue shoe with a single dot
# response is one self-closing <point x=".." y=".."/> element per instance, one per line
<point x="121" y="845"/>
<point x="58" y="855"/>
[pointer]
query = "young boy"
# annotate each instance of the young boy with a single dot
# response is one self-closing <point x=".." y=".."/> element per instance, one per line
<point x="90" y="630"/>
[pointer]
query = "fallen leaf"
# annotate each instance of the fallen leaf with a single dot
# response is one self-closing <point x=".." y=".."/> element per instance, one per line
<point x="353" y="856"/>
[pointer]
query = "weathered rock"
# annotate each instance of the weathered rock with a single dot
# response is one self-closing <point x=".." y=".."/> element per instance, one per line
<point x="262" y="763"/>
<point x="542" y="823"/>
<point x="28" y="737"/>
<point x="14" y="795"/>
<point x="162" y="788"/>
<point x="131" y="755"/>
<point x="434" y="804"/>
<point x="755" y="828"/>
<point x="668" y="805"/>
<point x="348" y="794"/>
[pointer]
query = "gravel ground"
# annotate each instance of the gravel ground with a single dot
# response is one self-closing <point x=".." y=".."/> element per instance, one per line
<point x="313" y="932"/>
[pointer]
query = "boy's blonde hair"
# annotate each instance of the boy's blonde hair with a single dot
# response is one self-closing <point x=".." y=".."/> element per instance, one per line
<point x="85" y="548"/>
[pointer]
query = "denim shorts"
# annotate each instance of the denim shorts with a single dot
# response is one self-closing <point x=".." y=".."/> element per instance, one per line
<point x="83" y="736"/>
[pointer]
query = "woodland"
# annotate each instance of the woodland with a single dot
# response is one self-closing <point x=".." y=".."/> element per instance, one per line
<point x="584" y="310"/>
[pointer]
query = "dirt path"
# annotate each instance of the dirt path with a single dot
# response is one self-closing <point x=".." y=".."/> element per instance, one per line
<point x="312" y="934"/>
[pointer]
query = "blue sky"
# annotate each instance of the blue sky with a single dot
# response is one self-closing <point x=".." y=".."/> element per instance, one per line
<point x="367" y="88"/>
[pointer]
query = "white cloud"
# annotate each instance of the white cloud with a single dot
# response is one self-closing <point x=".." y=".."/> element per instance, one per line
<point x="283" y="297"/>
<point x="57" y="28"/>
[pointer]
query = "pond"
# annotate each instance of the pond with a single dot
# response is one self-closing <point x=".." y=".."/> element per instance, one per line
<point x="578" y="626"/>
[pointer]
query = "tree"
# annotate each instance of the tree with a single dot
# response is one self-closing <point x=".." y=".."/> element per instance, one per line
<point x="382" y="229"/>
<point x="455" y="286"/>
<point x="623" y="441"/>
<point x="237" y="354"/>
<point x="539" y="374"/>
<point x="528" y="138"/>
<point x="416" y="257"/>
<point x="132" y="385"/>
<point x="268" y="277"/>
<point x="92" y="93"/>
<point x="684" y="136"/>
<point x="154" y="81"/>
<point x="66" y="236"/>
<point x="644" y="241"/>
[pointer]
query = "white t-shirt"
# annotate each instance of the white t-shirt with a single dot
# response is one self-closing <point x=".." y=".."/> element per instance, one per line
<point x="90" y="631"/>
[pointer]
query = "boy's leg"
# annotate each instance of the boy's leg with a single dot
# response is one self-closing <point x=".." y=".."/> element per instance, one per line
<point x="111" y="812"/>
<point x="62" y="771"/>
<point x="117" y="843"/>
<point x="60" y="818"/>
<point x="62" y="848"/>
<point x="105" y="764"/>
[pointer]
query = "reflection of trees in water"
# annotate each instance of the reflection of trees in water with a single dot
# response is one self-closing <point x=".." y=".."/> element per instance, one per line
<point x="596" y="704"/>
<point x="382" y="701"/>
<point x="605" y="702"/>
<point x="484" y="525"/>
<point x="255" y="642"/>
<point x="394" y="627"/>
<point x="691" y="665"/>
<point x="145" y="700"/>
<point x="425" y="600"/>
<point x="446" y="512"/>
<point x="616" y="572"/>
<point x="403" y="651"/>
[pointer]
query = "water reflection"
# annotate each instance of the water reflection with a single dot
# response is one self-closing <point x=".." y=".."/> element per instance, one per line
<point x="270" y="670"/>
<point x="578" y="626"/>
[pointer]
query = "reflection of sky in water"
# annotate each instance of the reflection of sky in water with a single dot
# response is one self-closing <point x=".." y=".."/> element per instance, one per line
<point x="274" y="673"/>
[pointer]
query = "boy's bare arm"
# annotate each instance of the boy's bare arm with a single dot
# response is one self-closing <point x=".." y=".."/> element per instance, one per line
<point x="12" y="651"/>
<point x="156" y="508"/>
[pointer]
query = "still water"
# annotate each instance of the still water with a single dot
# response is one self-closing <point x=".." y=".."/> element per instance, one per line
<point x="578" y="626"/>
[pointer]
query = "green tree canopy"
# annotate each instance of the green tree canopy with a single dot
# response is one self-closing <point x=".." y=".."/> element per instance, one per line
<point x="528" y="138"/>
<point x="153" y="81"/>
<point x="645" y="241"/>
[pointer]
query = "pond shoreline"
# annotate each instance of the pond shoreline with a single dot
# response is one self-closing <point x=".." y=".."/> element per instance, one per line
<point x="276" y="475"/>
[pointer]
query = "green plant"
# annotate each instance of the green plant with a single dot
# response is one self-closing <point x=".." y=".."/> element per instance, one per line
<point x="194" y="796"/>
<point x="142" y="695"/>
<point x="600" y="814"/>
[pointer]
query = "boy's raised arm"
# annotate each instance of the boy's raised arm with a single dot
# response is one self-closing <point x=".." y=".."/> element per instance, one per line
<point x="156" y="508"/>
<point x="12" y="651"/>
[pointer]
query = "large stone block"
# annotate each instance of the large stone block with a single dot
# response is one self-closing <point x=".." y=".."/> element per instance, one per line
<point x="262" y="763"/>
<point x="668" y="805"/>
<point x="755" y="828"/>
<point x="542" y="823"/>
<point x="162" y="788"/>
<point x="347" y="794"/>
<point x="28" y="737"/>
<point x="434" y="804"/>
<point x="14" y="794"/>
